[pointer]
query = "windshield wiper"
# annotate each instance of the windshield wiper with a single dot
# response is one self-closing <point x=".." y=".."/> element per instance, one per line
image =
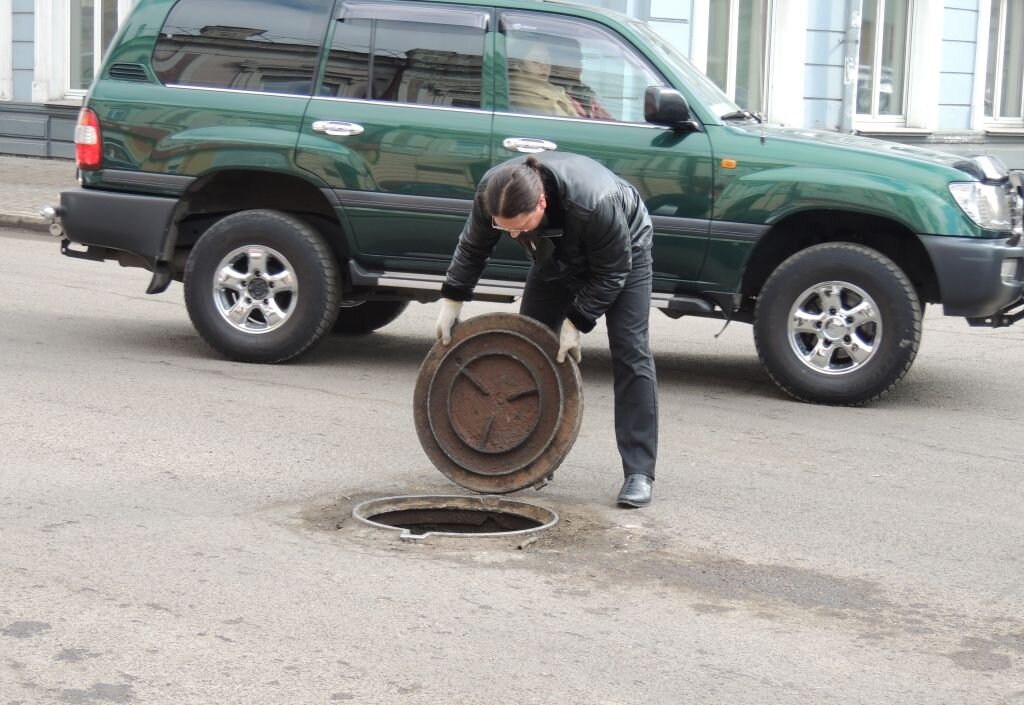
<point x="741" y="115"/>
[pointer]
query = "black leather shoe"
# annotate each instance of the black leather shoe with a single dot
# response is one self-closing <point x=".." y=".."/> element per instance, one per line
<point x="636" y="491"/>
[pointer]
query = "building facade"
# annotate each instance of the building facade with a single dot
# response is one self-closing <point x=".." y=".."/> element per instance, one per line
<point x="949" y="73"/>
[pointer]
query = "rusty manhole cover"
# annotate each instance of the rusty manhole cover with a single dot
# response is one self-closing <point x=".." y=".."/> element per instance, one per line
<point x="494" y="411"/>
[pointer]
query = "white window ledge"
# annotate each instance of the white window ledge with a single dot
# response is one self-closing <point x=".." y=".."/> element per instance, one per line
<point x="891" y="130"/>
<point x="1010" y="131"/>
<point x="940" y="137"/>
<point x="74" y="101"/>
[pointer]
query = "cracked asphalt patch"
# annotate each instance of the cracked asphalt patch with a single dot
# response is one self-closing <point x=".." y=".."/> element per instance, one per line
<point x="25" y="630"/>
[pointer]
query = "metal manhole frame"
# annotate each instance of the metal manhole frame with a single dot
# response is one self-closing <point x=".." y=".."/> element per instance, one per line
<point x="492" y="503"/>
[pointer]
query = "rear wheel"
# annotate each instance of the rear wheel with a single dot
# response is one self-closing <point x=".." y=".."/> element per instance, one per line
<point x="837" y="323"/>
<point x="362" y="317"/>
<point x="261" y="286"/>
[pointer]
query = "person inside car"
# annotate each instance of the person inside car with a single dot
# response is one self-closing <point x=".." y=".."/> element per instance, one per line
<point x="530" y="89"/>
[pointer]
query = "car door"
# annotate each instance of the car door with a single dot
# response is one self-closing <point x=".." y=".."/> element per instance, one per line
<point x="571" y="84"/>
<point x="399" y="127"/>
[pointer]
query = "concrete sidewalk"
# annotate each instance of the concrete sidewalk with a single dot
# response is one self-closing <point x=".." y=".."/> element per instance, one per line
<point x="28" y="184"/>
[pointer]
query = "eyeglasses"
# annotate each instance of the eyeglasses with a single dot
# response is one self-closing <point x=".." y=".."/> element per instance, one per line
<point x="510" y="231"/>
<point x="517" y="231"/>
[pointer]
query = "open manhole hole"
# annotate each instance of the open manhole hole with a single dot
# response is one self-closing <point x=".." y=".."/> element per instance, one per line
<point x="417" y="517"/>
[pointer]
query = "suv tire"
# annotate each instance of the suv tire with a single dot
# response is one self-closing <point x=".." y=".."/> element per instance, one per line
<point x="362" y="317"/>
<point x="837" y="323"/>
<point x="261" y="286"/>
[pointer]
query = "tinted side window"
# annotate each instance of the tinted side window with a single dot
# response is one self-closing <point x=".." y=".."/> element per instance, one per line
<point x="406" y="62"/>
<point x="255" y="45"/>
<point x="572" y="68"/>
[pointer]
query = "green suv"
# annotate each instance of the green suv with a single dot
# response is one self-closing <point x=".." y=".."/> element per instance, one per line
<point x="307" y="166"/>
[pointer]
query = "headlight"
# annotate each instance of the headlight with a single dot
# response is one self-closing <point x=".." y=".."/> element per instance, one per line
<point x="985" y="204"/>
<point x="1009" y="269"/>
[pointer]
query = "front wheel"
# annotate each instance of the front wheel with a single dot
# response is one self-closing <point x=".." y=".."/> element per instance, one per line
<point x="261" y="286"/>
<point x="837" y="323"/>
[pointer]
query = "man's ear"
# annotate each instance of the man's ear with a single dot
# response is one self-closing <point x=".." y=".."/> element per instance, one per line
<point x="542" y="203"/>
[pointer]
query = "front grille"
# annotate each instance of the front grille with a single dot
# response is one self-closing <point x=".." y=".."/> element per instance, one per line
<point x="128" y="72"/>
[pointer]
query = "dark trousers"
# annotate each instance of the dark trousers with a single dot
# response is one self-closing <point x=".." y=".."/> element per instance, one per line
<point x="636" y="386"/>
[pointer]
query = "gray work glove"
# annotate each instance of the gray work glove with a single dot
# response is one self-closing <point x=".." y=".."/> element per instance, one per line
<point x="447" y="319"/>
<point x="569" y="342"/>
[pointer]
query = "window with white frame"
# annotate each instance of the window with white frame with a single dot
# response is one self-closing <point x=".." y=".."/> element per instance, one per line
<point x="91" y="25"/>
<point x="738" y="32"/>
<point x="884" y="52"/>
<point x="1004" y="79"/>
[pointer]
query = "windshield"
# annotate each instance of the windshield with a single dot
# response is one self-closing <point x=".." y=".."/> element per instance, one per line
<point x="702" y="87"/>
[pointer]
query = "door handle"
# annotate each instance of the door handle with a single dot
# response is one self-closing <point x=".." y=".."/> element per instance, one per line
<point x="528" y="145"/>
<point x="337" y="129"/>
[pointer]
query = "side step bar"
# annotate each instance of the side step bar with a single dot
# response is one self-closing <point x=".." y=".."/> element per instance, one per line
<point x="486" y="290"/>
<point x="502" y="291"/>
<point x="677" y="306"/>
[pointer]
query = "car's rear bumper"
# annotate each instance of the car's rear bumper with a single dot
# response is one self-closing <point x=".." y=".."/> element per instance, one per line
<point x="113" y="220"/>
<point x="978" y="279"/>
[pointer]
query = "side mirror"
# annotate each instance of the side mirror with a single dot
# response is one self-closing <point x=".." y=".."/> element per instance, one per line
<point x="667" y="106"/>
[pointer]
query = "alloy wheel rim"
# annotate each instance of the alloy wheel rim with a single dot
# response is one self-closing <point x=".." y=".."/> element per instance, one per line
<point x="834" y="328"/>
<point x="255" y="289"/>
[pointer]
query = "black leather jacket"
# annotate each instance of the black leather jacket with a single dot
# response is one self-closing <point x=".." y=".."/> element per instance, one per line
<point x="597" y="226"/>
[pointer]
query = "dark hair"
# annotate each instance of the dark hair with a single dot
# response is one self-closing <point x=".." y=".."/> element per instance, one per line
<point x="514" y="189"/>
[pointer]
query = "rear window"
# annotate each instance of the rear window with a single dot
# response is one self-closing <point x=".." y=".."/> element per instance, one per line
<point x="422" y="63"/>
<point x="254" y="45"/>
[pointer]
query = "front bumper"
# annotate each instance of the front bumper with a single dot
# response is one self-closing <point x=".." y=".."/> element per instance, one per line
<point x="978" y="279"/>
<point x="1007" y="317"/>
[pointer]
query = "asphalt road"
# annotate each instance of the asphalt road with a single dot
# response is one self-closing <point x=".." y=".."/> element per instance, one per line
<point x="174" y="528"/>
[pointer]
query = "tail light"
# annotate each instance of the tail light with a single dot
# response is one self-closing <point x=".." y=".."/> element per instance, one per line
<point x="88" y="141"/>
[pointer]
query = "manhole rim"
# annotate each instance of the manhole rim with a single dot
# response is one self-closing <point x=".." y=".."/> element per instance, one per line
<point x="488" y="502"/>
